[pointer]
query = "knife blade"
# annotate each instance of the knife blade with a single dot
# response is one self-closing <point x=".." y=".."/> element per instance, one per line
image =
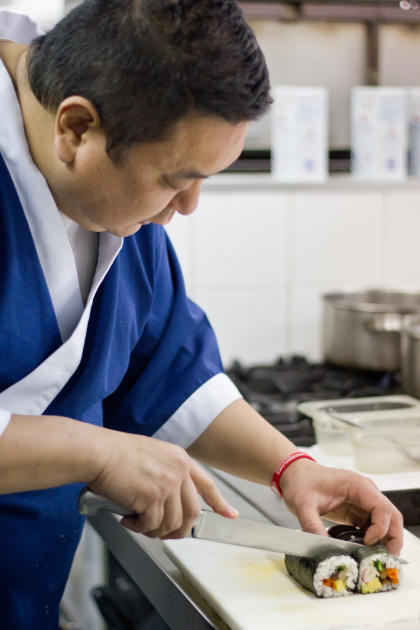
<point x="245" y="533"/>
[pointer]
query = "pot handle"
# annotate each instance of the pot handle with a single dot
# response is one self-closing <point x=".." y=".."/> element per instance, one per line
<point x="385" y="322"/>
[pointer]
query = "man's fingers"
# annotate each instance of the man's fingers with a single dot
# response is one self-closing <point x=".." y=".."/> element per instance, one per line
<point x="386" y="525"/>
<point x="310" y="520"/>
<point x="210" y="493"/>
<point x="386" y="522"/>
<point x="172" y="518"/>
<point x="393" y="544"/>
<point x="149" y="520"/>
<point x="367" y="507"/>
<point x="191" y="506"/>
<point x="191" y="509"/>
<point x="176" y="517"/>
<point x="379" y="526"/>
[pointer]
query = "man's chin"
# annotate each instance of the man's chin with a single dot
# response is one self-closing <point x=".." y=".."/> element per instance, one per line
<point x="123" y="232"/>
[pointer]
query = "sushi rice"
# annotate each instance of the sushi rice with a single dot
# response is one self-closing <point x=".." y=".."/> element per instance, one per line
<point x="378" y="571"/>
<point x="326" y="575"/>
<point x="344" y="569"/>
<point x="369" y="569"/>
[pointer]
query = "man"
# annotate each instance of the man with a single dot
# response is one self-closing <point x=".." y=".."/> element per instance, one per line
<point x="109" y="125"/>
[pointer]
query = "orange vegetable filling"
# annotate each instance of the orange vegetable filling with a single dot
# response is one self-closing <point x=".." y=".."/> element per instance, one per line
<point x="392" y="575"/>
<point x="329" y="582"/>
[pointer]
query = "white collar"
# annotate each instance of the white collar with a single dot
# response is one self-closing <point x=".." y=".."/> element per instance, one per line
<point x="51" y="242"/>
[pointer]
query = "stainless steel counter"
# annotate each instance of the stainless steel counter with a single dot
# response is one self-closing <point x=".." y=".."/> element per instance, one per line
<point x="176" y="600"/>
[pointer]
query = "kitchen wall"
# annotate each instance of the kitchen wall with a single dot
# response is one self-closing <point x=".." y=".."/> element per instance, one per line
<point x="257" y="256"/>
<point x="399" y="49"/>
<point x="44" y="12"/>
<point x="333" y="55"/>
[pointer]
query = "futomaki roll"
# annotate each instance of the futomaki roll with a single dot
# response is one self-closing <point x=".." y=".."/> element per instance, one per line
<point x="378" y="570"/>
<point x="326" y="575"/>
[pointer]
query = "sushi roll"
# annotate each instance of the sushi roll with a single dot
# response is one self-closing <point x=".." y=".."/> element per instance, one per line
<point x="378" y="570"/>
<point x="326" y="575"/>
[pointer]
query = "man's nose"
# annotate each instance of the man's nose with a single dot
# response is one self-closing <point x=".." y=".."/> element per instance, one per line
<point x="185" y="202"/>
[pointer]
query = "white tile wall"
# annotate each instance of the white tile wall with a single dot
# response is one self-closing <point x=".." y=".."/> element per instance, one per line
<point x="240" y="240"/>
<point x="304" y="334"/>
<point x="258" y="261"/>
<point x="181" y="233"/>
<point x="402" y="239"/>
<point x="336" y="235"/>
<point x="250" y="323"/>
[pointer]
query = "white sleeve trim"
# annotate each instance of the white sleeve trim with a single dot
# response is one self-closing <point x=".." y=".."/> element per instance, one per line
<point x="4" y="419"/>
<point x="198" y="411"/>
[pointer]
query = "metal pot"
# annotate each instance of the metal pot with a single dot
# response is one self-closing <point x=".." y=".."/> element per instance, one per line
<point x="410" y="355"/>
<point x="361" y="329"/>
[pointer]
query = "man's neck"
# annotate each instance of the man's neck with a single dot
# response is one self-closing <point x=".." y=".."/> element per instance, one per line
<point x="38" y="122"/>
<point x="11" y="53"/>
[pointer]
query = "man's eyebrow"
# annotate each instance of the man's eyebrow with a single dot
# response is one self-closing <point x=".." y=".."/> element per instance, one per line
<point x="187" y="175"/>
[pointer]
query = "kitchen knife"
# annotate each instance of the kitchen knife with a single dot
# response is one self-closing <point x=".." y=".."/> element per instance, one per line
<point x="90" y="503"/>
<point x="245" y="533"/>
<point x="242" y="532"/>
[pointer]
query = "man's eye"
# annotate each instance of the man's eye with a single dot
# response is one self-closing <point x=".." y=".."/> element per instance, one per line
<point x="170" y="185"/>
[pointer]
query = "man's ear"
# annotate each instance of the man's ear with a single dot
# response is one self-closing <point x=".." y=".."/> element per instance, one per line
<point x="74" y="118"/>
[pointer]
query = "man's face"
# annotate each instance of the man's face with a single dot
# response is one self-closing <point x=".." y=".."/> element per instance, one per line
<point x="154" y="180"/>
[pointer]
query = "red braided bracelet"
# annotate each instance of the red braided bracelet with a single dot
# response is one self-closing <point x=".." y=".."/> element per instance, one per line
<point x="275" y="480"/>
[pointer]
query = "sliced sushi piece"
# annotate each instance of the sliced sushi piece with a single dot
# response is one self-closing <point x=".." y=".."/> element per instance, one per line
<point x="378" y="570"/>
<point x="326" y="575"/>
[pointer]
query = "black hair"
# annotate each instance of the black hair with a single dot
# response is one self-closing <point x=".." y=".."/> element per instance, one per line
<point x="145" y="64"/>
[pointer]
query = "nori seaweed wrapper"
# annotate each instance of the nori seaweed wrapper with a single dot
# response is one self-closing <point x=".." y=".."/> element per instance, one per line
<point x="362" y="555"/>
<point x="365" y="552"/>
<point x="304" y="569"/>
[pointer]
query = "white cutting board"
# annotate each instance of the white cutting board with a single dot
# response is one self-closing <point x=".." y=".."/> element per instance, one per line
<point x="251" y="590"/>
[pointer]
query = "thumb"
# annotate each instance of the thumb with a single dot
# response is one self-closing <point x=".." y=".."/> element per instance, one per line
<point x="310" y="521"/>
<point x="208" y="490"/>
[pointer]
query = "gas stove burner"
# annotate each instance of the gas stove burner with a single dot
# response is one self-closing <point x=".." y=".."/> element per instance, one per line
<point x="275" y="390"/>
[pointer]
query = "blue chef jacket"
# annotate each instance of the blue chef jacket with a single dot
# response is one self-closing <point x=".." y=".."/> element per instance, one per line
<point x="139" y="356"/>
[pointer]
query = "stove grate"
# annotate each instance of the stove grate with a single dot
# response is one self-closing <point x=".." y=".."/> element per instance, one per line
<point x="276" y="390"/>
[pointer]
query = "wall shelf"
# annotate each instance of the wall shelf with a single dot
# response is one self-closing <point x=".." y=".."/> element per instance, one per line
<point x="383" y="11"/>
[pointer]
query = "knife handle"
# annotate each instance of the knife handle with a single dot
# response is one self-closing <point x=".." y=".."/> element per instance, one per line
<point x="90" y="503"/>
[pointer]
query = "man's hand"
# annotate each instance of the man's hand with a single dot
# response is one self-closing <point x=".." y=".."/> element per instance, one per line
<point x="159" y="482"/>
<point x="311" y="491"/>
<point x="154" y="479"/>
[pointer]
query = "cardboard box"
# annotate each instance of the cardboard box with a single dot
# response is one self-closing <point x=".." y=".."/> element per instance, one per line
<point x="379" y="133"/>
<point x="299" y="134"/>
<point x="413" y="118"/>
